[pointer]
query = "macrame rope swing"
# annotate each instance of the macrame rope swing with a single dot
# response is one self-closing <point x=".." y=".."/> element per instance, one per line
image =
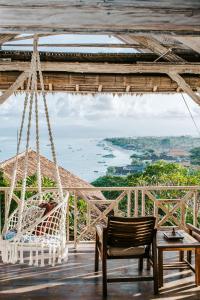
<point x="35" y="233"/>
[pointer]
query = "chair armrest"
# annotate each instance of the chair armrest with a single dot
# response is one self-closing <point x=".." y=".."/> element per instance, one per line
<point x="194" y="231"/>
<point x="193" y="228"/>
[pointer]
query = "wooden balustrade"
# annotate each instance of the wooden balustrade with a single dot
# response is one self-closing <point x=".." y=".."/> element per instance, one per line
<point x="173" y="206"/>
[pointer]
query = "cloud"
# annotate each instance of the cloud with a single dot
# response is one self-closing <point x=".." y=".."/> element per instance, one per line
<point x="89" y="111"/>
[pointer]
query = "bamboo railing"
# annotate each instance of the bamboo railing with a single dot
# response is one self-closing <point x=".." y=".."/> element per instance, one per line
<point x="173" y="206"/>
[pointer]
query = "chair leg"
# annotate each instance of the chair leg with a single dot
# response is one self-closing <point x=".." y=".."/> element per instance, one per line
<point x="189" y="256"/>
<point x="104" y="275"/>
<point x="140" y="264"/>
<point x="181" y="255"/>
<point x="96" y="266"/>
<point x="155" y="265"/>
<point x="148" y="264"/>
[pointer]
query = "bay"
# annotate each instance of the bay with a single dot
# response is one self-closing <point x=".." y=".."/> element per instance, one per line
<point x="83" y="157"/>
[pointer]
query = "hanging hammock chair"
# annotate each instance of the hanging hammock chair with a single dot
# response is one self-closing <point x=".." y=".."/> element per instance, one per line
<point x="35" y="232"/>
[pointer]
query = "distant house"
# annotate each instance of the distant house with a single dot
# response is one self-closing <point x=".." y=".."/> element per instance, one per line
<point x="178" y="153"/>
<point x="129" y="169"/>
<point x="48" y="170"/>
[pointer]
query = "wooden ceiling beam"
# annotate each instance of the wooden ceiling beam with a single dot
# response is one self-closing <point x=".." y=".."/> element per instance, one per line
<point x="99" y="16"/>
<point x="184" y="86"/>
<point x="6" y="38"/>
<point x="154" y="45"/>
<point x="14" y="87"/>
<point x="191" y="42"/>
<point x="98" y="68"/>
<point x="86" y="45"/>
<point x="116" y="83"/>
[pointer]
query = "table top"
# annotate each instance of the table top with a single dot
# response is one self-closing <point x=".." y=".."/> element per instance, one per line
<point x="187" y="241"/>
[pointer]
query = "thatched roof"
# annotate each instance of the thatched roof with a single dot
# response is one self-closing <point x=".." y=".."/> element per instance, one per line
<point x="48" y="170"/>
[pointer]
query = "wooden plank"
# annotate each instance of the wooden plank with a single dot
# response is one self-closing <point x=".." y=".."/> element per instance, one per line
<point x="191" y="42"/>
<point x="89" y="83"/>
<point x="6" y="37"/>
<point x="99" y="16"/>
<point x="14" y="87"/>
<point x="154" y="45"/>
<point x="79" y="45"/>
<point x="106" y="68"/>
<point x="185" y="87"/>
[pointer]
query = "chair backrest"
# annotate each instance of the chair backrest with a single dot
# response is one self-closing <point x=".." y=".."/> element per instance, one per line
<point x="130" y="232"/>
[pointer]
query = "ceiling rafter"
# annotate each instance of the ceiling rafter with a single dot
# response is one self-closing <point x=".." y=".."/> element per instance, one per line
<point x="154" y="45"/>
<point x="191" y="42"/>
<point x="14" y="87"/>
<point x="184" y="86"/>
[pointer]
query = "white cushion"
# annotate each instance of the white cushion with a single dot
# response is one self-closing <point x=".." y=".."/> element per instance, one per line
<point x="31" y="215"/>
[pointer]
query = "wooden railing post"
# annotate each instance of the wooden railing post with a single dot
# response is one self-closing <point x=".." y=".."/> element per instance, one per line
<point x="68" y="220"/>
<point x="183" y="214"/>
<point x="143" y="203"/>
<point x="155" y="212"/>
<point x="88" y="220"/>
<point x="129" y="204"/>
<point x="6" y="197"/>
<point x="195" y="208"/>
<point x="75" y="220"/>
<point x="136" y="204"/>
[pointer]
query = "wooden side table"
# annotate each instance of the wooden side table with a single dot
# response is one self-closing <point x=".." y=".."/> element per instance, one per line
<point x="187" y="244"/>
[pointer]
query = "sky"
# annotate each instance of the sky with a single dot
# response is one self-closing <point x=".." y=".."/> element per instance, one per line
<point x="106" y="115"/>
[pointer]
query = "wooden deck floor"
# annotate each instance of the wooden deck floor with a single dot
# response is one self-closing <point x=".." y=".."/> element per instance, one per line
<point x="76" y="280"/>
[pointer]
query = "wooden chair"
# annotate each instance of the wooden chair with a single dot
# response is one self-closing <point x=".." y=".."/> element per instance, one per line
<point x="195" y="232"/>
<point x="126" y="238"/>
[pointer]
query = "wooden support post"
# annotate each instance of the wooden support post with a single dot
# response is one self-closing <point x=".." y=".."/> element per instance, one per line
<point x="13" y="88"/>
<point x="185" y="87"/>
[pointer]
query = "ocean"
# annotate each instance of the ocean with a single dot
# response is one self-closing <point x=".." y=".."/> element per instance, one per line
<point x="83" y="157"/>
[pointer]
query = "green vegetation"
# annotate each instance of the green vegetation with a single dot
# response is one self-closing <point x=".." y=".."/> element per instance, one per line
<point x="156" y="143"/>
<point x="159" y="173"/>
<point x="195" y="156"/>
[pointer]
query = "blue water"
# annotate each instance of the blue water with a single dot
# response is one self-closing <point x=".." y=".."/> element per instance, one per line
<point x="82" y="157"/>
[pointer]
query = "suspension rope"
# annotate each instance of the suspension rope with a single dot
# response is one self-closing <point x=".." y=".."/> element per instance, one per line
<point x="39" y="180"/>
<point x="190" y="113"/>
<point x="49" y="129"/>
<point x="23" y="189"/>
<point x="19" y="138"/>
